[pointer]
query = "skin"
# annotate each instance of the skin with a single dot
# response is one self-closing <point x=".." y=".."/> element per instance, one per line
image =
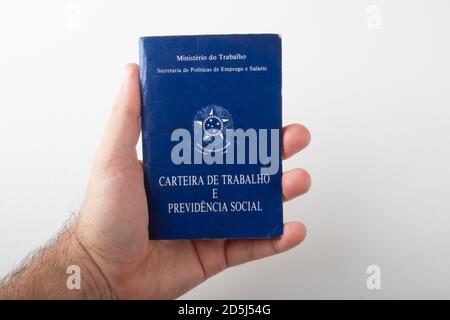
<point x="109" y="239"/>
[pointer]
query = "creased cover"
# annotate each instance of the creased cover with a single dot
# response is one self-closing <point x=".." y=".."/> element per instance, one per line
<point x="211" y="135"/>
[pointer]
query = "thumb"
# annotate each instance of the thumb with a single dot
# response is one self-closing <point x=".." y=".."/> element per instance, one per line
<point x="118" y="145"/>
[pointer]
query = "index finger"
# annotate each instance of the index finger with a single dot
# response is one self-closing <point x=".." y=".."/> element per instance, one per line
<point x="295" y="138"/>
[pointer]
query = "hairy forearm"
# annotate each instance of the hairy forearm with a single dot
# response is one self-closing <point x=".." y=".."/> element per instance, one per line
<point x="63" y="270"/>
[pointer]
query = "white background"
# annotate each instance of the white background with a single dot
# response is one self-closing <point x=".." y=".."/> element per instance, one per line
<point x="377" y="101"/>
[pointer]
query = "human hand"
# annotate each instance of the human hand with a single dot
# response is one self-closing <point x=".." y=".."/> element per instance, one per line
<point x="113" y="224"/>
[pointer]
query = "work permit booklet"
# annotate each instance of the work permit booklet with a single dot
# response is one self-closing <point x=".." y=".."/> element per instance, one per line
<point x="211" y="135"/>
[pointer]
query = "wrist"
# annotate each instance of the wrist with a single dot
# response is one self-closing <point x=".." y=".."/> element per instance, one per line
<point x="63" y="270"/>
<point x="93" y="282"/>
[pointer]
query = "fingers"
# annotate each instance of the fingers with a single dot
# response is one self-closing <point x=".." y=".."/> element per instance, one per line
<point x="124" y="124"/>
<point x="295" y="138"/>
<point x="295" y="183"/>
<point x="244" y="250"/>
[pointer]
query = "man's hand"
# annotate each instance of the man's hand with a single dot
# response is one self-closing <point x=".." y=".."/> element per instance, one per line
<point x="111" y="234"/>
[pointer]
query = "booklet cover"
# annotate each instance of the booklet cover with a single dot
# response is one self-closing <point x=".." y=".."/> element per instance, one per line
<point x="211" y="135"/>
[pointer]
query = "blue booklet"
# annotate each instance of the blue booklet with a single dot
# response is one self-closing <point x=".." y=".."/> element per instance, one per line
<point x="211" y="135"/>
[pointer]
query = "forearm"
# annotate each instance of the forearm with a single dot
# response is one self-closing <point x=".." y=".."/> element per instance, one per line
<point x="46" y="275"/>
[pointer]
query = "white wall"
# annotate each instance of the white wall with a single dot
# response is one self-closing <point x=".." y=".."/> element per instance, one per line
<point x="377" y="102"/>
